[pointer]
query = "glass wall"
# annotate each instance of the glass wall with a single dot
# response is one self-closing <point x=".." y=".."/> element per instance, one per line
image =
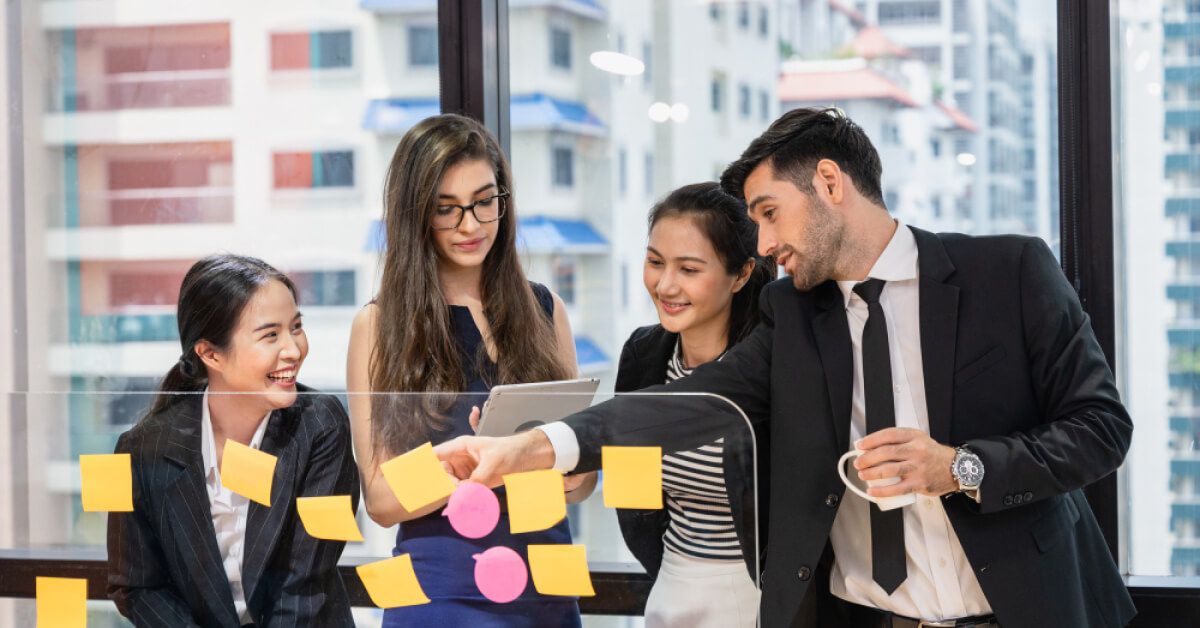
<point x="50" y="487"/>
<point x="156" y="134"/>
<point x="615" y="104"/>
<point x="1156" y="99"/>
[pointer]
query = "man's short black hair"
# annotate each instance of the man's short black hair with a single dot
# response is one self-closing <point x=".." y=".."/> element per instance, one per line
<point x="798" y="140"/>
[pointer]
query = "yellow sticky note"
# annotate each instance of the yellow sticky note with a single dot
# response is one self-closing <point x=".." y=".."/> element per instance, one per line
<point x="107" y="482"/>
<point x="248" y="471"/>
<point x="330" y="518"/>
<point x="632" y="477"/>
<point x="536" y="500"/>
<point x="392" y="582"/>
<point x="417" y="478"/>
<point x="560" y="570"/>
<point x="61" y="602"/>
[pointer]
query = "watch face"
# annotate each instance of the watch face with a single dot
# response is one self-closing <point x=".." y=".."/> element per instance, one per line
<point x="969" y="469"/>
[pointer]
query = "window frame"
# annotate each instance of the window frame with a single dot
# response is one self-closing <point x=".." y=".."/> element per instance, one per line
<point x="408" y="34"/>
<point x="716" y="93"/>
<point x="554" y="30"/>
<point x="331" y="71"/>
<point x="304" y="277"/>
<point x="311" y="193"/>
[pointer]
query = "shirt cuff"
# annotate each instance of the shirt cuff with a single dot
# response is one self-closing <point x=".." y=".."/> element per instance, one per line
<point x="565" y="445"/>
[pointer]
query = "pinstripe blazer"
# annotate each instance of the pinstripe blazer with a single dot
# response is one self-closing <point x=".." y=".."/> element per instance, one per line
<point x="164" y="567"/>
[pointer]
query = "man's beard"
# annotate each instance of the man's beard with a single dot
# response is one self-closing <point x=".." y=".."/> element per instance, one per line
<point x="823" y="242"/>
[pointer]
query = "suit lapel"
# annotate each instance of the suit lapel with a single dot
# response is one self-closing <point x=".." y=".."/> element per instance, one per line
<point x="189" y="511"/>
<point x="265" y="525"/>
<point x="939" y="330"/>
<point x="832" y="332"/>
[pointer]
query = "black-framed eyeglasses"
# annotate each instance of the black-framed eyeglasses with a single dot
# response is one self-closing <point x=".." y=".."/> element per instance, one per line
<point x="485" y="210"/>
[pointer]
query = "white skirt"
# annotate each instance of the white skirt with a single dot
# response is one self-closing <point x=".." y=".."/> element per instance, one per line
<point x="701" y="593"/>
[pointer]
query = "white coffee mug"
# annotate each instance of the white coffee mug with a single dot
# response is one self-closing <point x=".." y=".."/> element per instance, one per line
<point x="884" y="503"/>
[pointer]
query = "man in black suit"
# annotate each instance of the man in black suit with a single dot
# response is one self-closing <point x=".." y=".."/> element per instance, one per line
<point x="964" y="366"/>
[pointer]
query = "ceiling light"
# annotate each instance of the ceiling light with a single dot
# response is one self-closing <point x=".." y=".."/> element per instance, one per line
<point x="617" y="63"/>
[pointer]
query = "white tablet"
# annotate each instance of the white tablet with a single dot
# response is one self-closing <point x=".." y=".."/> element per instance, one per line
<point x="513" y="408"/>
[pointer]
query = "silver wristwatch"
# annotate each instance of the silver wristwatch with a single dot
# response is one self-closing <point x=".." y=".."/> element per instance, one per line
<point x="967" y="469"/>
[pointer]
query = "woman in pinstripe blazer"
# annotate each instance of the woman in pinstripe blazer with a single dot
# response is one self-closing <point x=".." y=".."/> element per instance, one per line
<point x="192" y="553"/>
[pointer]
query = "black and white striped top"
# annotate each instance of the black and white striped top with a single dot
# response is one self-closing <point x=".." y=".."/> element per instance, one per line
<point x="700" y="524"/>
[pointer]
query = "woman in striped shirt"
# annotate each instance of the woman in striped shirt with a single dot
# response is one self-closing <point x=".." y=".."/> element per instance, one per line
<point x="704" y="277"/>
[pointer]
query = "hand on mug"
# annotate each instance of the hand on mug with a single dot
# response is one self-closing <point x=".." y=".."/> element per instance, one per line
<point x="884" y="503"/>
<point x="922" y="463"/>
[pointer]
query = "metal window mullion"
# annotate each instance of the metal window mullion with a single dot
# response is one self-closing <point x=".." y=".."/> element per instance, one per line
<point x="473" y="62"/>
<point x="1086" y="193"/>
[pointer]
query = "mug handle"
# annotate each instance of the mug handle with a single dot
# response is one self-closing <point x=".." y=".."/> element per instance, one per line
<point x="841" y="468"/>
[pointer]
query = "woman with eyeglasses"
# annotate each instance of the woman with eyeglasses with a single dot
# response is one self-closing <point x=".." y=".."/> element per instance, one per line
<point x="454" y="314"/>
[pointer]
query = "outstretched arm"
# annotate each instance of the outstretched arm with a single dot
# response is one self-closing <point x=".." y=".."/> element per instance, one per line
<point x="684" y="414"/>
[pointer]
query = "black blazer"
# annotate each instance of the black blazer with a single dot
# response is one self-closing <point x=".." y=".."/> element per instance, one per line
<point x="1012" y="369"/>
<point x="644" y="360"/>
<point x="164" y="568"/>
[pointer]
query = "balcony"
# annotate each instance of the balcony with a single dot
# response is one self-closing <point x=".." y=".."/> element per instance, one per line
<point x="1183" y="247"/>
<point x="399" y="6"/>
<point x="1181" y="26"/>
<point x="1181" y="161"/>
<point x="57" y="14"/>
<point x="1184" y="333"/>
<point x="139" y="126"/>
<point x="1183" y="203"/>
<point x="161" y="206"/>
<point x="1184" y="379"/>
<point x="1185" y="420"/>
<point x="583" y="8"/>
<point x="1189" y="73"/>
<point x="1182" y="117"/>
<point x="150" y="90"/>
<point x="109" y="328"/>
<point x="144" y="242"/>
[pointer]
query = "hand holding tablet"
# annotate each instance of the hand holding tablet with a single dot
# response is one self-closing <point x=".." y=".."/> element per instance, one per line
<point x="514" y="408"/>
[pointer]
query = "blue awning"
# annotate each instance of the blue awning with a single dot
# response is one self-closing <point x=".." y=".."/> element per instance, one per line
<point x="540" y="234"/>
<point x="539" y="112"/>
<point x="529" y="112"/>
<point x="590" y="357"/>
<point x="583" y="8"/>
<point x="397" y="115"/>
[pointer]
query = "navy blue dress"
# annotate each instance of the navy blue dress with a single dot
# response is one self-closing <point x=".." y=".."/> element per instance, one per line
<point x="443" y="559"/>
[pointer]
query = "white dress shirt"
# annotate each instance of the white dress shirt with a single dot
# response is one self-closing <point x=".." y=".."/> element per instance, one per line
<point x="940" y="583"/>
<point x="229" y="510"/>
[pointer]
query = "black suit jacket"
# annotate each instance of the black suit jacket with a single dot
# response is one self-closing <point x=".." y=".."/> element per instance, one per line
<point x="1012" y="369"/>
<point x="164" y="567"/>
<point x="643" y="363"/>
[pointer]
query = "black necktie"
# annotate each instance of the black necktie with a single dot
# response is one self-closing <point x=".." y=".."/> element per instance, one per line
<point x="887" y="528"/>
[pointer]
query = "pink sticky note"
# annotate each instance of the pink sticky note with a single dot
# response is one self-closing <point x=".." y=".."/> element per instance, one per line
<point x="500" y="574"/>
<point x="473" y="510"/>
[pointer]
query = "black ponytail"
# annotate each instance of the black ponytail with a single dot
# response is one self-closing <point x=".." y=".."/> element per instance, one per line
<point x="723" y="220"/>
<point x="214" y="292"/>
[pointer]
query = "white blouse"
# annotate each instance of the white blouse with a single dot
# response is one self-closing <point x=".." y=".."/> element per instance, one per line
<point x="229" y="510"/>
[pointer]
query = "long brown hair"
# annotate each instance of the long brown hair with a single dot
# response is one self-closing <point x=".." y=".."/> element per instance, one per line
<point x="415" y="349"/>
